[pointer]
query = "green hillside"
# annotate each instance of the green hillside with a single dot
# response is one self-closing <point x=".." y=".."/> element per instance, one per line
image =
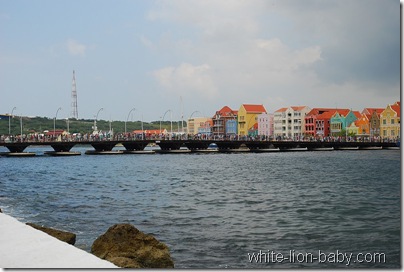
<point x="40" y="124"/>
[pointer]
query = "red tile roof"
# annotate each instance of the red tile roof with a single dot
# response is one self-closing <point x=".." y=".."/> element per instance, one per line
<point x="396" y="108"/>
<point x="254" y="108"/>
<point x="371" y="110"/>
<point x="298" y="108"/>
<point x="281" y="110"/>
<point x="226" y="111"/>
<point x="357" y="114"/>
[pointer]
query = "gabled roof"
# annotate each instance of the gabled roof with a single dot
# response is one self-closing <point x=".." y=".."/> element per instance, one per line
<point x="226" y="111"/>
<point x="252" y="108"/>
<point x="298" y="108"/>
<point x="281" y="110"/>
<point x="396" y="107"/>
<point x="371" y="110"/>
<point x="357" y="114"/>
<point x="320" y="111"/>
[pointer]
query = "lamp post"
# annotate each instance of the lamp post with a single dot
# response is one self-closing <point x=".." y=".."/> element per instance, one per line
<point x="171" y="132"/>
<point x="21" y="126"/>
<point x="128" y="117"/>
<point x="193" y="127"/>
<point x="95" y="120"/>
<point x="9" y="121"/>
<point x="54" y="122"/>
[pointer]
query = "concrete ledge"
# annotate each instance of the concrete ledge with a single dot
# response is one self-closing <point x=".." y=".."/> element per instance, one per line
<point x="22" y="246"/>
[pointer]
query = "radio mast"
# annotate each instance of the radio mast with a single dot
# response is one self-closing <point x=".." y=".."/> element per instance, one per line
<point x="74" y="113"/>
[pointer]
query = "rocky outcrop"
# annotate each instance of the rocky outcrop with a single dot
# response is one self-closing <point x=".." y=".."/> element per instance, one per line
<point x="127" y="247"/>
<point x="64" y="236"/>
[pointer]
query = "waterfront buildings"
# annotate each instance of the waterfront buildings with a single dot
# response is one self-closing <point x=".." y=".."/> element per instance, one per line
<point x="248" y="117"/>
<point x="221" y="125"/>
<point x="373" y="115"/>
<point x="266" y="124"/>
<point x="317" y="121"/>
<point x="341" y="120"/>
<point x="194" y="124"/>
<point x="289" y="122"/>
<point x="390" y="121"/>
<point x="205" y="129"/>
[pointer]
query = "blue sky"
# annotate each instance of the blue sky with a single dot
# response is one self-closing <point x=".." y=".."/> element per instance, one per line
<point x="149" y="54"/>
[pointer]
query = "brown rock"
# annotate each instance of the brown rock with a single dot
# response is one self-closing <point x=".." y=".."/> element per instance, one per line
<point x="126" y="246"/>
<point x="64" y="236"/>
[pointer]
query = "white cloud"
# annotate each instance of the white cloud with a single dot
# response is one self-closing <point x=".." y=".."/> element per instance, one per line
<point x="75" y="48"/>
<point x="279" y="50"/>
<point x="187" y="78"/>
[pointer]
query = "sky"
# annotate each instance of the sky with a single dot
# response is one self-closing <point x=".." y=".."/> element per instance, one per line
<point x="180" y="58"/>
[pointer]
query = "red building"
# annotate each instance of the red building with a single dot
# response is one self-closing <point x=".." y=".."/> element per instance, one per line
<point x="220" y="119"/>
<point x="317" y="121"/>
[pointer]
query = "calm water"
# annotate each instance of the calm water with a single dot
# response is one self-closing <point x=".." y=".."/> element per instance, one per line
<point x="212" y="210"/>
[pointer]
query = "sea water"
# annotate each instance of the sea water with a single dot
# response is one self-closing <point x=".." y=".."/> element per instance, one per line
<point x="331" y="209"/>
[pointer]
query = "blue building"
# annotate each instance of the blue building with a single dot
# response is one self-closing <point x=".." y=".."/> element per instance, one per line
<point x="231" y="127"/>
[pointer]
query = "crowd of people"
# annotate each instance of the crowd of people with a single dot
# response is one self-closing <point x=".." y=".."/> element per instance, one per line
<point x="108" y="136"/>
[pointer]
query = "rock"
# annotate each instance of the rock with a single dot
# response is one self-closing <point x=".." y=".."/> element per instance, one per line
<point x="64" y="236"/>
<point x="1" y="211"/>
<point x="127" y="247"/>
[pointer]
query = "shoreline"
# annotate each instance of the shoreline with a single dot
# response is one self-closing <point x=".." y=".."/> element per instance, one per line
<point x="22" y="246"/>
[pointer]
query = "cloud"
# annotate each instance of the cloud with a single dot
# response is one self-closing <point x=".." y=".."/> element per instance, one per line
<point x="187" y="78"/>
<point x="75" y="48"/>
<point x="297" y="52"/>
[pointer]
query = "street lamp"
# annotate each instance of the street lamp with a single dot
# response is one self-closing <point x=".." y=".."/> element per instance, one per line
<point x="9" y="122"/>
<point x="95" y="120"/>
<point x="171" y="115"/>
<point x="54" y="122"/>
<point x="128" y="117"/>
<point x="188" y="124"/>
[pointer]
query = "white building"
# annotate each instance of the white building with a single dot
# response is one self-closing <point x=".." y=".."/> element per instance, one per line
<point x="289" y="122"/>
<point x="265" y="124"/>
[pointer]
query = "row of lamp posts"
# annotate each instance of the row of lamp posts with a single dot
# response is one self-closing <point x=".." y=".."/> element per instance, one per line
<point x="95" y="120"/>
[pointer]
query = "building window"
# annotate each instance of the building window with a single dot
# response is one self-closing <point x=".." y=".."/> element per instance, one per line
<point x="384" y="121"/>
<point x="392" y="121"/>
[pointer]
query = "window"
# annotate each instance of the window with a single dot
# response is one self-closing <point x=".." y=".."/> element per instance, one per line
<point x="392" y="133"/>
<point x="392" y="121"/>
<point x="384" y="121"/>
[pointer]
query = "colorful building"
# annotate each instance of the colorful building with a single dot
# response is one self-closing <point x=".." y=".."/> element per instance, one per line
<point x="390" y="121"/>
<point x="231" y="127"/>
<point x="373" y="115"/>
<point x="289" y="122"/>
<point x="323" y="122"/>
<point x="248" y="117"/>
<point x="266" y="124"/>
<point x="340" y="122"/>
<point x="220" y="120"/>
<point x="205" y="129"/>
<point x="193" y="124"/>
<point x="363" y="126"/>
<point x="317" y="121"/>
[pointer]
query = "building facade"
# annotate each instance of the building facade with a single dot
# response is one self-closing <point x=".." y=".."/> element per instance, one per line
<point x="248" y="117"/>
<point x="266" y="125"/>
<point x="193" y="124"/>
<point x="289" y="122"/>
<point x="390" y="121"/>
<point x="220" y="120"/>
<point x="340" y="122"/>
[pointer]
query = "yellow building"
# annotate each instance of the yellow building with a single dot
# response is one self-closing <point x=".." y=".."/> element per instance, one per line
<point x="247" y="117"/>
<point x="390" y="121"/>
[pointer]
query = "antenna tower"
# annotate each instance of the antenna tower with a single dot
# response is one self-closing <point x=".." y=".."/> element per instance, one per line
<point x="75" y="113"/>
